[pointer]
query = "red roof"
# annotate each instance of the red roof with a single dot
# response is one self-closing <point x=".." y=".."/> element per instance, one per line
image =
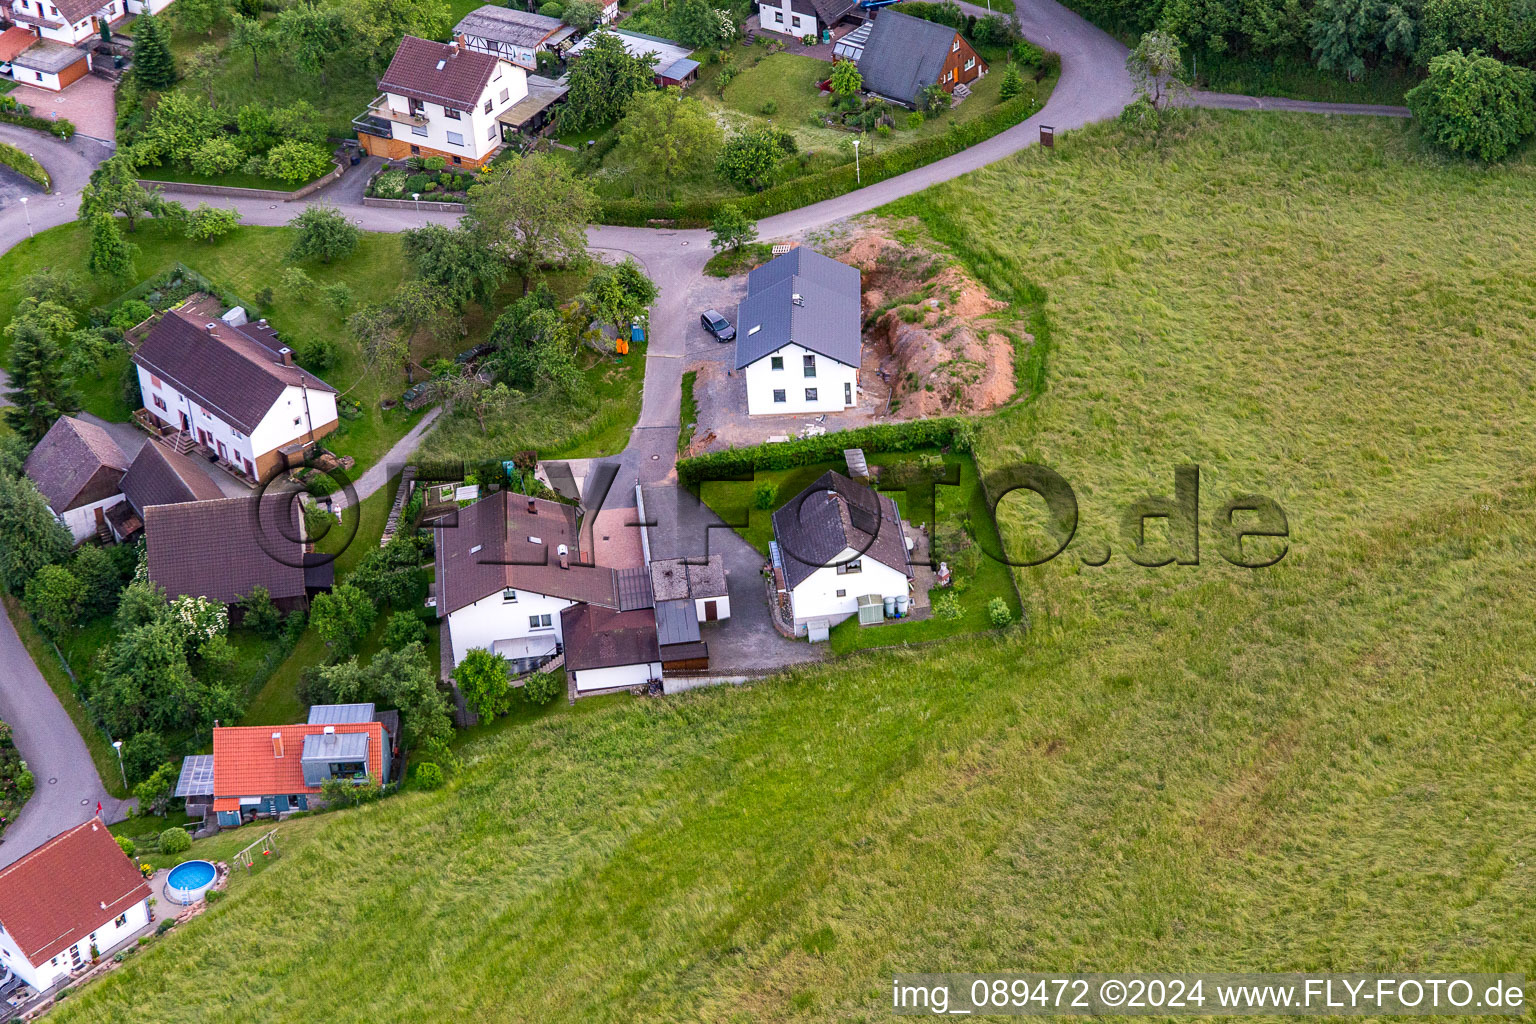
<point x="245" y="761"/>
<point x="14" y="40"/>
<point x="67" y="888"/>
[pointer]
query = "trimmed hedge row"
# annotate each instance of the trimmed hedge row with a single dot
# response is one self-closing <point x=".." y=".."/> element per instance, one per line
<point x="880" y="437"/>
<point x="25" y="163"/>
<point x="814" y="188"/>
<point x="63" y="127"/>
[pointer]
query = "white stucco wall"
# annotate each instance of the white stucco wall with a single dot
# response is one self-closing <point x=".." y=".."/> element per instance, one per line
<point x="792" y="23"/>
<point x="50" y="972"/>
<point x="478" y="129"/>
<point x="722" y="607"/>
<point x="835" y="383"/>
<point x="275" y="430"/>
<point x="817" y="595"/>
<point x="589" y="679"/>
<point x="81" y="522"/>
<point x="314" y="409"/>
<point x="491" y="619"/>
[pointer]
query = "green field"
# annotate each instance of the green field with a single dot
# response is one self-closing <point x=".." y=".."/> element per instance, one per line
<point x="1320" y="766"/>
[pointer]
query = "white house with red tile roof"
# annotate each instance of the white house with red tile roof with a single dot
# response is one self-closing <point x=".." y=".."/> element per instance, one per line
<point x="75" y="893"/>
<point x="271" y="770"/>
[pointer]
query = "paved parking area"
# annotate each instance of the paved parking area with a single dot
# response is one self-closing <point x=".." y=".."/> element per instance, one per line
<point x="91" y="103"/>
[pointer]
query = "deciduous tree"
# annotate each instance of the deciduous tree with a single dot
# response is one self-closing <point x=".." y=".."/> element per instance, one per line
<point x="534" y="211"/>
<point x="618" y="293"/>
<point x="1157" y="68"/>
<point x="456" y="261"/>
<point x="1473" y="105"/>
<point x="731" y="229"/>
<point x="342" y="618"/>
<point x="602" y="80"/>
<point x="114" y="189"/>
<point x="325" y="234"/>
<point x="666" y="136"/>
<point x="483" y="679"/>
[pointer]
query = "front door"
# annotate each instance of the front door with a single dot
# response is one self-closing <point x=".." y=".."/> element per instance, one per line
<point x="184" y="422"/>
<point x="711" y="613"/>
<point x="202" y="437"/>
<point x="250" y="470"/>
<point x="223" y="453"/>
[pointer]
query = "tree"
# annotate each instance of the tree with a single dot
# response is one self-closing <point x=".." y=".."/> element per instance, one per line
<point x="419" y="305"/>
<point x="42" y="387"/>
<point x="199" y="15"/>
<point x="53" y="597"/>
<point x="206" y="223"/>
<point x="700" y="26"/>
<point x="731" y="229"/>
<point x="143" y="677"/>
<point x="581" y="13"/>
<point x="142" y="753"/>
<point x="374" y="27"/>
<point x="540" y="688"/>
<point x="534" y="211"/>
<point x="298" y="162"/>
<point x="535" y="345"/>
<point x="407" y="681"/>
<point x="180" y="123"/>
<point x="1156" y="67"/>
<point x="299" y="121"/>
<point x="846" y="80"/>
<point x="392" y="575"/>
<point x="310" y="36"/>
<point x="153" y="67"/>
<point x="217" y="155"/>
<point x="404" y="628"/>
<point x="203" y="66"/>
<point x="747" y="160"/>
<point x="1012" y="83"/>
<point x="111" y="254"/>
<point x="932" y="99"/>
<point x="259" y="613"/>
<point x="30" y="536"/>
<point x="342" y="618"/>
<point x="114" y="189"/>
<point x="250" y="35"/>
<point x="618" y="293"/>
<point x="155" y="792"/>
<point x="324" y="234"/>
<point x="1473" y="105"/>
<point x="602" y="80"/>
<point x="456" y="261"/>
<point x="484" y="681"/>
<point x="666" y="136"/>
<point x="174" y="840"/>
<point x="100" y="582"/>
<point x="378" y="335"/>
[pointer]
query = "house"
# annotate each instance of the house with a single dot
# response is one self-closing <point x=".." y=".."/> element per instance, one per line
<point x="905" y="55"/>
<point x="79" y="469"/>
<point x="76" y="897"/>
<point x="231" y="391"/>
<point x="66" y="22"/>
<point x="51" y="66"/>
<point x="267" y="771"/>
<point x="607" y="650"/>
<point x="802" y="18"/>
<point x="221" y="549"/>
<point x="157" y="476"/>
<point x="516" y="36"/>
<point x="441" y="99"/>
<point x="674" y="65"/>
<point x="839" y="544"/>
<point x="507" y="566"/>
<point x="798" y="335"/>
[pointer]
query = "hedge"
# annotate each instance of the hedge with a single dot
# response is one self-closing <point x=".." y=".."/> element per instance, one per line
<point x="63" y="127"/>
<point x="814" y="188"/>
<point x="881" y="437"/>
<point x="25" y="163"/>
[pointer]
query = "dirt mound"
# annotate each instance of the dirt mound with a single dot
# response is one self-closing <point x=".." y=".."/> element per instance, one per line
<point x="940" y="344"/>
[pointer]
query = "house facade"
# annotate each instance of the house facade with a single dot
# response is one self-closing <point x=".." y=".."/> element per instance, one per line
<point x="232" y="391"/>
<point x="79" y="469"/>
<point x="801" y="18"/>
<point x="260" y="771"/>
<point x="799" y="335"/>
<point x="836" y="542"/>
<point x="513" y="35"/>
<point x="76" y="897"/>
<point x="903" y="56"/>
<point x="66" y="21"/>
<point x="441" y="99"/>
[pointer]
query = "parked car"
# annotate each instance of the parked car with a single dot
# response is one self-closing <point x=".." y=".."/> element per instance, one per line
<point x="715" y="323"/>
<point x="5" y="68"/>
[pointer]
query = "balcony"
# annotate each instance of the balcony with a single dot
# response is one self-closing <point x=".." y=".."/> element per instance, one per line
<point x="376" y="120"/>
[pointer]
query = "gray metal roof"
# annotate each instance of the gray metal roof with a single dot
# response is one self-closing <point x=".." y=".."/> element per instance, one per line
<point x="801" y="298"/>
<point x="340" y="714"/>
<point x="679" y="70"/>
<point x="903" y="55"/>
<point x="676" y="622"/>
<point x="196" y="776"/>
<point x="519" y="28"/>
<point x="336" y="746"/>
<point x="634" y="588"/>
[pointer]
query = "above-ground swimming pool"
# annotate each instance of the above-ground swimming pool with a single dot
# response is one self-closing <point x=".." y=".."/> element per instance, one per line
<point x="188" y="881"/>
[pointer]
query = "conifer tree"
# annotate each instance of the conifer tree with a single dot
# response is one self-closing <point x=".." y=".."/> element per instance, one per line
<point x="152" y="63"/>
<point x="42" y="389"/>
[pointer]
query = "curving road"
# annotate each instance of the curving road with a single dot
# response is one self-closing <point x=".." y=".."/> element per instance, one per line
<point x="1093" y="86"/>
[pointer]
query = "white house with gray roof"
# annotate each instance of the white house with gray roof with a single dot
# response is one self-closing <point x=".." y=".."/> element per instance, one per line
<point x="798" y="335"/>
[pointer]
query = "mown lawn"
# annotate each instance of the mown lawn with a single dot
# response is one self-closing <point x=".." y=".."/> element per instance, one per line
<point x="1320" y="766"/>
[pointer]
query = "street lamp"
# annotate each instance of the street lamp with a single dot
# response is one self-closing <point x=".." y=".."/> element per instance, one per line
<point x="29" y="216"/>
<point x="858" y="176"/>
<point x="117" y="745"/>
<point x="417" y="196"/>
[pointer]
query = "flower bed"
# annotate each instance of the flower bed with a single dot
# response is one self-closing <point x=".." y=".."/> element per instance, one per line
<point x="427" y="177"/>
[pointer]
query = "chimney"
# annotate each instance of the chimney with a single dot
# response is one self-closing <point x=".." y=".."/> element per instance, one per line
<point x="330" y="735"/>
<point x="277" y="744"/>
<point x="533" y="508"/>
<point x="211" y="327"/>
<point x="565" y="556"/>
<point x="286" y="354"/>
<point x="453" y="48"/>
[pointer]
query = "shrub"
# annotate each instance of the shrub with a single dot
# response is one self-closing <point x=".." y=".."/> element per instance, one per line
<point x="214" y="895"/>
<point x="1473" y="105"/>
<point x="26" y="783"/>
<point x="130" y="314"/>
<point x="297" y="162"/>
<point x="765" y="495"/>
<point x="1027" y="53"/>
<point x="165" y="925"/>
<point x="881" y="437"/>
<point x="1012" y="84"/>
<point x="997" y="611"/>
<point x="206" y="223"/>
<point x="337" y="296"/>
<point x="947" y="606"/>
<point x="915" y="120"/>
<point x="434" y="163"/>
<point x="390" y="185"/>
<point x="126" y="845"/>
<point x="216" y="156"/>
<point x="770" y="108"/>
<point x="415" y="183"/>
<point x="174" y="840"/>
<point x="429" y="776"/>
<point x="541" y="688"/>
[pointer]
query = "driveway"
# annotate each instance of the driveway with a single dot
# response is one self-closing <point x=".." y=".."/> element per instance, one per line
<point x="90" y="103"/>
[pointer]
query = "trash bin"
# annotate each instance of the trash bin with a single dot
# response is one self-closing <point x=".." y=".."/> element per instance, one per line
<point x="117" y="61"/>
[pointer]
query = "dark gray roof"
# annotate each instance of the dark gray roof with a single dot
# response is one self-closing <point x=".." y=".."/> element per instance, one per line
<point x="801" y="298"/>
<point x="336" y="746"/>
<point x="159" y="476"/>
<point x="634" y="588"/>
<point x="601" y="638"/>
<point x="904" y="55"/>
<point x="518" y="28"/>
<point x="832" y="515"/>
<point x="196" y="776"/>
<point x="676" y="578"/>
<point x="676" y="622"/>
<point x="221" y="549"/>
<point x="678" y="69"/>
<point x="337" y="714"/>
<point x="75" y="464"/>
<point x="830" y="12"/>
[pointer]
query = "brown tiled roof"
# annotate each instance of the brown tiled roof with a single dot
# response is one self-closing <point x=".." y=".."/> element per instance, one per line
<point x="834" y="514"/>
<point x="603" y="638"/>
<point x="159" y="476"/>
<point x="75" y="464"/>
<point x="219" y="367"/>
<point x="77" y="10"/>
<point x="221" y="549"/>
<point x="67" y="888"/>
<point x="486" y="548"/>
<point x="451" y="75"/>
<point x="14" y="40"/>
<point x="245" y="761"/>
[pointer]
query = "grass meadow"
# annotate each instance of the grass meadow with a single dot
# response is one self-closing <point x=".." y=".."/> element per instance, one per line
<point x="1321" y="766"/>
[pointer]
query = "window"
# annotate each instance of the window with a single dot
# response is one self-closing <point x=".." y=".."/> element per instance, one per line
<point x="122" y="919"/>
<point x="545" y="621"/>
<point x="856" y="565"/>
<point x="810" y="394"/>
<point x="457" y="160"/>
<point x="776" y="362"/>
<point x="955" y="46"/>
<point x="810" y="366"/>
<point x="451" y="114"/>
<point x="487" y="106"/>
<point x="455" y="139"/>
<point x="509" y="596"/>
<point x="295" y="421"/>
<point x="416" y="150"/>
<point x="417" y="129"/>
<point x="206" y="414"/>
<point x="416" y="107"/>
<point x="778" y="16"/>
<point x="39" y="75"/>
<point x="970" y="63"/>
<point x="160" y="403"/>
<point x="847" y="393"/>
<point x="778" y="394"/>
<point x="506" y="94"/>
<point x="490" y="132"/>
<point x="842" y="593"/>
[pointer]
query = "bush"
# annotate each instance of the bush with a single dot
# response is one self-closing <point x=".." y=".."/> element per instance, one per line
<point x="297" y="162"/>
<point x="126" y="845"/>
<point x="390" y="185"/>
<point x="130" y="314"/>
<point x="1028" y="54"/>
<point x="428" y="776"/>
<point x="1473" y="105"/>
<point x="947" y="606"/>
<point x="415" y="184"/>
<point x="26" y="164"/>
<point x="881" y="437"/>
<point x="915" y="120"/>
<point x="174" y="840"/>
<point x="216" y="156"/>
<point x="403" y="629"/>
<point x="26" y="783"/>
<point x="997" y="611"/>
<point x="770" y="108"/>
<point x="165" y="925"/>
<point x="434" y="163"/>
<point x="765" y="495"/>
<point x="541" y="688"/>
